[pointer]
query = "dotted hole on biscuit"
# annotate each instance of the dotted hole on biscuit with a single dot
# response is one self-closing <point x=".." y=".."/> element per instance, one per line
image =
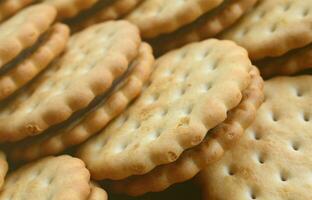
<point x="252" y="194"/>
<point x="136" y="125"/>
<point x="120" y="148"/>
<point x="260" y="158"/>
<point x="274" y="117"/>
<point x="207" y="87"/>
<point x="273" y="28"/>
<point x="155" y="134"/>
<point x="295" y="146"/>
<point x="188" y="110"/>
<point x="205" y="54"/>
<point x="230" y="170"/>
<point x="153" y="98"/>
<point x="306" y="116"/>
<point x="287" y="6"/>
<point x="305" y="12"/>
<point x="163" y="112"/>
<point x="256" y="135"/>
<point x="298" y="92"/>
<point x="284" y="176"/>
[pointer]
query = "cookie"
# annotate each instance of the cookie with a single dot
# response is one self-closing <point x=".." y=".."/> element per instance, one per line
<point x="3" y="168"/>
<point x="93" y="59"/>
<point x="79" y="130"/>
<point x="184" y="100"/>
<point x="25" y="67"/>
<point x="97" y="193"/>
<point x="273" y="28"/>
<point x="23" y="29"/>
<point x="155" y="17"/>
<point x="10" y="7"/>
<point x="207" y="26"/>
<point x="273" y="158"/>
<point x="62" y="177"/>
<point x="69" y="8"/>
<point x="291" y="63"/>
<point x="115" y="10"/>
<point x="217" y="141"/>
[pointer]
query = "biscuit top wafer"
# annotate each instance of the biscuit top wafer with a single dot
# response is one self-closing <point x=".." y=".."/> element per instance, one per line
<point x="155" y="17"/>
<point x="274" y="27"/>
<point x="3" y="168"/>
<point x="9" y="7"/>
<point x="23" y="30"/>
<point x="185" y="99"/>
<point x="274" y="157"/>
<point x="93" y="59"/>
<point x="69" y="8"/>
<point x="51" y="178"/>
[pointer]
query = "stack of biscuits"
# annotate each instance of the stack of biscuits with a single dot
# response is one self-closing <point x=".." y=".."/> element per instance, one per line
<point x="107" y="99"/>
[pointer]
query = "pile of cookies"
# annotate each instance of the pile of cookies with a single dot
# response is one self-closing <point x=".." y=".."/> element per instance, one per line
<point x="105" y="97"/>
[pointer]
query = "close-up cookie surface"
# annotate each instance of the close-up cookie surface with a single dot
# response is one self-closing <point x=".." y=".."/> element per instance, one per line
<point x="174" y="113"/>
<point x="273" y="158"/>
<point x="83" y="127"/>
<point x="155" y="17"/>
<point x="273" y="28"/>
<point x="51" y="178"/>
<point x="93" y="59"/>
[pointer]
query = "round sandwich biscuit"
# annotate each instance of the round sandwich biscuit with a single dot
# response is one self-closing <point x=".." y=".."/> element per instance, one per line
<point x="185" y="99"/>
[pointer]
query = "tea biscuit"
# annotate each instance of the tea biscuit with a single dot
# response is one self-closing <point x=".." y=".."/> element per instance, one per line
<point x="97" y="193"/>
<point x="24" y="68"/>
<point x="115" y="10"/>
<point x="82" y="128"/>
<point x="3" y="168"/>
<point x="69" y="8"/>
<point x="217" y="141"/>
<point x="93" y="59"/>
<point x="23" y="30"/>
<point x="155" y="17"/>
<point x="273" y="159"/>
<point x="207" y="26"/>
<point x="10" y="7"/>
<point x="273" y="28"/>
<point x="288" y="64"/>
<point x="184" y="100"/>
<point x="62" y="177"/>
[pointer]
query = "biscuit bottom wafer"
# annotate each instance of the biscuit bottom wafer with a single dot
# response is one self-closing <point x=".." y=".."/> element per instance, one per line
<point x="273" y="159"/>
<point x="217" y="141"/>
<point x="291" y="63"/>
<point x="78" y="130"/>
<point x="184" y="99"/>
